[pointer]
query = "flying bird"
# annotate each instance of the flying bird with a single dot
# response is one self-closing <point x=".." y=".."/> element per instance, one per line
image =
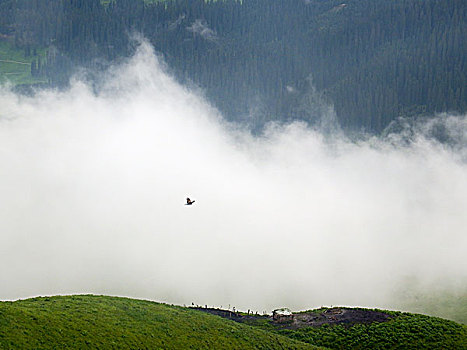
<point x="189" y="201"/>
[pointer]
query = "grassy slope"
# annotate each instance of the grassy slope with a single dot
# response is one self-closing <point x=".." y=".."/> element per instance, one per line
<point x="105" y="322"/>
<point x="15" y="67"/>
<point x="404" y="331"/>
<point x="111" y="322"/>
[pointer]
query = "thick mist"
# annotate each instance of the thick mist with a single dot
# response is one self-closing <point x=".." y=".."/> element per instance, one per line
<point x="93" y="186"/>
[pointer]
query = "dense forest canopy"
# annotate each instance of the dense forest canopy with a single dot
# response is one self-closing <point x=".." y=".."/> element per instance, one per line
<point x="263" y="60"/>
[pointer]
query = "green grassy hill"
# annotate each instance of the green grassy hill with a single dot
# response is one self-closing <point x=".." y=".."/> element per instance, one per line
<point x="103" y="322"/>
<point x="87" y="321"/>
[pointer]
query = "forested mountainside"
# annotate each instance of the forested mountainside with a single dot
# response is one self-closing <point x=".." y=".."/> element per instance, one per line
<point x="262" y="60"/>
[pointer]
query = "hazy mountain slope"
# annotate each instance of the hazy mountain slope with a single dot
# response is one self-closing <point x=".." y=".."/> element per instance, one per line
<point x="255" y="59"/>
<point x="110" y="322"/>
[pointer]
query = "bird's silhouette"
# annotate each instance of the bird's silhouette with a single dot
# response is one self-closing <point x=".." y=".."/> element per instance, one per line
<point x="189" y="201"/>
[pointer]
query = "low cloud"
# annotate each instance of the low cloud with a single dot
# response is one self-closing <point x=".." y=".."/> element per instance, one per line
<point x="92" y="191"/>
<point x="201" y="28"/>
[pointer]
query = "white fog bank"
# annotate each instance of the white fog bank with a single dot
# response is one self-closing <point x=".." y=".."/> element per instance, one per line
<point x="93" y="186"/>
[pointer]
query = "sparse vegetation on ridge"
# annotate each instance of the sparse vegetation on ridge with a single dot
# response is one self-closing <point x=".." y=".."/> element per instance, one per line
<point x="360" y="328"/>
<point x="399" y="331"/>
